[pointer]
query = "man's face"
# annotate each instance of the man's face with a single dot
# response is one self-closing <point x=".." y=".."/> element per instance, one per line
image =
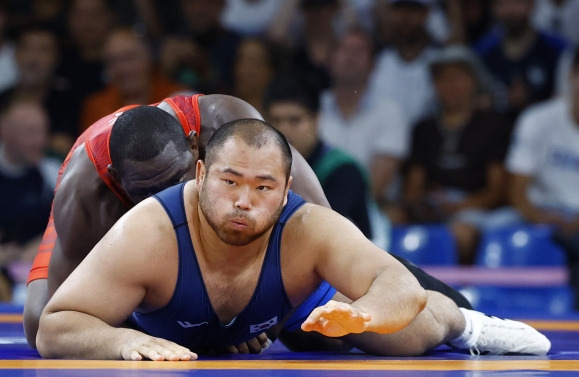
<point x="513" y="14"/>
<point x="455" y="86"/>
<point x="253" y="67"/>
<point x="89" y="22"/>
<point x="243" y="193"/>
<point x="352" y="60"/>
<point x="202" y="15"/>
<point x="25" y="134"/>
<point x="145" y="178"/>
<point x="128" y="62"/>
<point x="37" y="57"/>
<point x="297" y="124"/>
<point x="407" y="20"/>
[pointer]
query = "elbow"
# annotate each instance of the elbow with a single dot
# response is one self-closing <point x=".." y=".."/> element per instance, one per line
<point x="420" y="299"/>
<point x="42" y="344"/>
<point x="46" y="344"/>
<point x="30" y="323"/>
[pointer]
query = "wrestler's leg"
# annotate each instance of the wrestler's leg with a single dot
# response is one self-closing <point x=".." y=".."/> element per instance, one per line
<point x="36" y="299"/>
<point x="430" y="283"/>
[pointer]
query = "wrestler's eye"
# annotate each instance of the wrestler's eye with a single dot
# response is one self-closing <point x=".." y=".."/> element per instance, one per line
<point x="229" y="182"/>
<point x="262" y="188"/>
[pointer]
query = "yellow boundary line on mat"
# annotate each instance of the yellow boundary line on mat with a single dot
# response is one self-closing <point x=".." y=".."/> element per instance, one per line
<point x="10" y="318"/>
<point x="553" y="325"/>
<point x="413" y="364"/>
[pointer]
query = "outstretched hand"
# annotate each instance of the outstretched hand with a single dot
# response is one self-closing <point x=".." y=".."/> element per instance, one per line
<point x="336" y="319"/>
<point x="157" y="349"/>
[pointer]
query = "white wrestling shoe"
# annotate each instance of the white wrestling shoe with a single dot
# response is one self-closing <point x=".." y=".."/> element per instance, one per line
<point x="498" y="336"/>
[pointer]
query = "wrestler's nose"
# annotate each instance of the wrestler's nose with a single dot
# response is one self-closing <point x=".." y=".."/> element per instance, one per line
<point x="243" y="200"/>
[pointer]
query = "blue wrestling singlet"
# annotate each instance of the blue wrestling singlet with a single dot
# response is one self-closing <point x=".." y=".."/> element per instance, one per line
<point x="189" y="318"/>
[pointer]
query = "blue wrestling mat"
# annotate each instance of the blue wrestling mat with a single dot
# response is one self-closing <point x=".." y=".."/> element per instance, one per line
<point x="17" y="359"/>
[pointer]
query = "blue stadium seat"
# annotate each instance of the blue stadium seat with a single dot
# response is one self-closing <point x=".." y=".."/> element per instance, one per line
<point x="498" y="300"/>
<point x="519" y="246"/>
<point x="424" y="244"/>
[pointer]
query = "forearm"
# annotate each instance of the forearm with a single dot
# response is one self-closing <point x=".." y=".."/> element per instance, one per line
<point x="393" y="302"/>
<point x="528" y="211"/>
<point x="75" y="335"/>
<point x="484" y="199"/>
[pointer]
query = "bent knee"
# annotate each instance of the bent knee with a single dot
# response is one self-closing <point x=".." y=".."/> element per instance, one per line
<point x="36" y="299"/>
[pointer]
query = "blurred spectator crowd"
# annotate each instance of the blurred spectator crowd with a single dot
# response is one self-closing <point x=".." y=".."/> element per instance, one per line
<point x="463" y="113"/>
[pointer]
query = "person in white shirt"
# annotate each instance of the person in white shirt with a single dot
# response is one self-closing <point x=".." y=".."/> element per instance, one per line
<point x="544" y="162"/>
<point x="559" y="17"/>
<point x="402" y="69"/>
<point x="368" y="126"/>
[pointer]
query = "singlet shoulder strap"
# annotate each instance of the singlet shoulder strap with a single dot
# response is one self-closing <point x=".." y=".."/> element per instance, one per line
<point x="294" y="202"/>
<point x="172" y="201"/>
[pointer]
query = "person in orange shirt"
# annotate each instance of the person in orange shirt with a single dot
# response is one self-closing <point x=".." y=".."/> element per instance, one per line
<point x="133" y="78"/>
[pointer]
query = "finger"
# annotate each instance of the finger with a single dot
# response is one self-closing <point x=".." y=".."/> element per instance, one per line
<point x="148" y="353"/>
<point x="253" y="345"/>
<point x="132" y="355"/>
<point x="232" y="350"/>
<point x="243" y="348"/>
<point x="314" y="324"/>
<point x="167" y="350"/>
<point x="266" y="345"/>
<point x="262" y="339"/>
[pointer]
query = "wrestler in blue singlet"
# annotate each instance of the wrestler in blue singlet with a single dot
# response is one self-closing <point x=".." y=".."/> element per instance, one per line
<point x="189" y="318"/>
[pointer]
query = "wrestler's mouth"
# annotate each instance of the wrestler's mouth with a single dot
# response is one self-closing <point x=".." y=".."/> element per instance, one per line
<point x="238" y="224"/>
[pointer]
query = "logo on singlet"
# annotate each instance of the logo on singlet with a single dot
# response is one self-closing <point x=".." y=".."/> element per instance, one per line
<point x="262" y="326"/>
<point x="186" y="324"/>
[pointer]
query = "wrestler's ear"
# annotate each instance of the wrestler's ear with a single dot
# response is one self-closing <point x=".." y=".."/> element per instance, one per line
<point x="113" y="172"/>
<point x="289" y="183"/>
<point x="193" y="142"/>
<point x="199" y="174"/>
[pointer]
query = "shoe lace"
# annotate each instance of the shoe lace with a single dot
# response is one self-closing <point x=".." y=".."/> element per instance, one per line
<point x="485" y="343"/>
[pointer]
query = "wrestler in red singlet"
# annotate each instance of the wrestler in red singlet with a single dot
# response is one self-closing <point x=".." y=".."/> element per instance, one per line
<point x="96" y="141"/>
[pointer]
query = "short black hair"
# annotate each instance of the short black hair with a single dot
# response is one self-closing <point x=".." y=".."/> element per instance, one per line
<point x="142" y="133"/>
<point x="292" y="88"/>
<point x="255" y="133"/>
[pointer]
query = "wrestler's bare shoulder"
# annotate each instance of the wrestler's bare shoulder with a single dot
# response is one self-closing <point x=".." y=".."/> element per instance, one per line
<point x="82" y="183"/>
<point x="310" y="221"/>
<point x="80" y="171"/>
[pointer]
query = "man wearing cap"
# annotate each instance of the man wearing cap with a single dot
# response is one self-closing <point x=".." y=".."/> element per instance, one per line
<point x="456" y="173"/>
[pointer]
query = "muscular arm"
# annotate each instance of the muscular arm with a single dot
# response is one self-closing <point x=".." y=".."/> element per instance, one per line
<point x="338" y="252"/>
<point x="84" y="210"/>
<point x="82" y="318"/>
